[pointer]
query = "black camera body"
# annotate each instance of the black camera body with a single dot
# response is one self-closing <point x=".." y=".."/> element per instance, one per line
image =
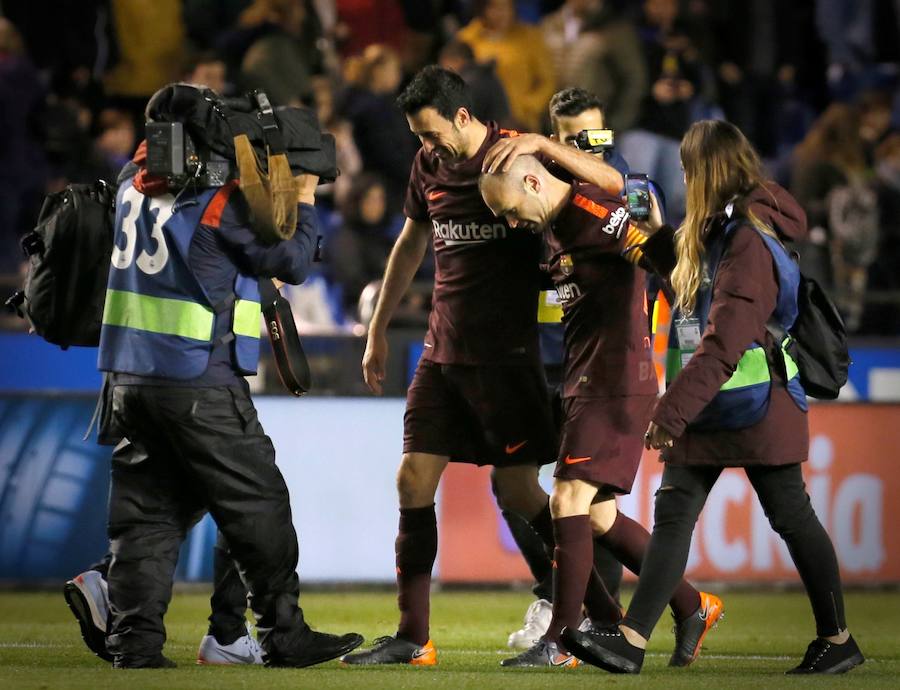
<point x="594" y="140"/>
<point x="171" y="153"/>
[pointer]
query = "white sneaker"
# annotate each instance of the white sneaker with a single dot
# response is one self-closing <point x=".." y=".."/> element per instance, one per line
<point x="537" y="620"/>
<point x="88" y="598"/>
<point x="244" y="650"/>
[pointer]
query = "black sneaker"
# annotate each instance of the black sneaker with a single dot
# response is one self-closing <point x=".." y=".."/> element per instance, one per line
<point x="823" y="656"/>
<point x="606" y="648"/>
<point x="690" y="632"/>
<point x="315" y="648"/>
<point x="541" y="655"/>
<point x="158" y="661"/>
<point x="394" y="650"/>
<point x="88" y="600"/>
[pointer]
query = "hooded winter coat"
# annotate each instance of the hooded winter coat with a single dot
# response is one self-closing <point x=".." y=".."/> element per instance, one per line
<point x="744" y="295"/>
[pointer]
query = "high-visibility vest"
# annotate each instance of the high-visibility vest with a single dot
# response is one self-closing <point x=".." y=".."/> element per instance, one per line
<point x="158" y="319"/>
<point x="743" y="399"/>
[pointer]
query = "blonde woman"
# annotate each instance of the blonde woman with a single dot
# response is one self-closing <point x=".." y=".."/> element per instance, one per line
<point x="733" y="398"/>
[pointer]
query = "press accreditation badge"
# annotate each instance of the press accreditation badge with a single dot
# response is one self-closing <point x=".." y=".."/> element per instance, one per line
<point x="689" y="335"/>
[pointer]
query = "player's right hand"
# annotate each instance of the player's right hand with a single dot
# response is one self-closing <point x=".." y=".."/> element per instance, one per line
<point x="374" y="361"/>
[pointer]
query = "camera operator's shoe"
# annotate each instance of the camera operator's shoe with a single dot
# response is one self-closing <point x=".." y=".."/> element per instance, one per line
<point x="88" y="599"/>
<point x="315" y="648"/>
<point x="243" y="651"/>
<point x="823" y="656"/>
<point x="394" y="650"/>
<point x="537" y="620"/>
<point x="690" y="632"/>
<point x="606" y="648"/>
<point x="541" y="655"/>
<point x="158" y="661"/>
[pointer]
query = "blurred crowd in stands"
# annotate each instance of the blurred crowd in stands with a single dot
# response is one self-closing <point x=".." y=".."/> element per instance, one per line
<point x="813" y="83"/>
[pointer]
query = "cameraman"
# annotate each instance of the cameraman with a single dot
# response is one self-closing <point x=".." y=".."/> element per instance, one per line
<point x="180" y="332"/>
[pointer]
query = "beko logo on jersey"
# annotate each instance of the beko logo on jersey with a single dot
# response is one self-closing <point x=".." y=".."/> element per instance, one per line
<point x="468" y="233"/>
<point x="614" y="224"/>
<point x="568" y="291"/>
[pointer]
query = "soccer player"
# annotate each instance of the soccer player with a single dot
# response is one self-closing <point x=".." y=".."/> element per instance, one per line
<point x="609" y="388"/>
<point x="479" y="393"/>
<point x="571" y="111"/>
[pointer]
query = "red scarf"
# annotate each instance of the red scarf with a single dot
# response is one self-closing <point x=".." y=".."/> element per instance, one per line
<point x="146" y="184"/>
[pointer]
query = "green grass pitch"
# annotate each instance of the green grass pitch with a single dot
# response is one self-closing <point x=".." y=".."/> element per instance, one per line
<point x="763" y="634"/>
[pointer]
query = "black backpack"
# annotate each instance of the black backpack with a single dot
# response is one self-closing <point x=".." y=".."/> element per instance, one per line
<point x="818" y="342"/>
<point x="69" y="251"/>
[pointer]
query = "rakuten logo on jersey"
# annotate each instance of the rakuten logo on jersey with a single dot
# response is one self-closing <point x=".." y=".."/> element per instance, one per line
<point x="468" y="233"/>
<point x="568" y="291"/>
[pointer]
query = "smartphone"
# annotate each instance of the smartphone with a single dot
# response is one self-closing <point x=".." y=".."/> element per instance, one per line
<point x="637" y="196"/>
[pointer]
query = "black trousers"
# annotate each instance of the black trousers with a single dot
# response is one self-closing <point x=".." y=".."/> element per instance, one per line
<point x="228" y="603"/>
<point x="783" y="496"/>
<point x="194" y="450"/>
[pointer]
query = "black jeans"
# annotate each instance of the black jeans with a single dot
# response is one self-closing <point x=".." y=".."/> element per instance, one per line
<point x="783" y="496"/>
<point x="194" y="450"/>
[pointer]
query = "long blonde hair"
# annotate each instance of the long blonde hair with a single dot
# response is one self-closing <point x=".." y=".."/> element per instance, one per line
<point x="720" y="167"/>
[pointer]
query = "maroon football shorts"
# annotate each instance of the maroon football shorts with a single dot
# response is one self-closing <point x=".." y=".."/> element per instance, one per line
<point x="483" y="414"/>
<point x="602" y="439"/>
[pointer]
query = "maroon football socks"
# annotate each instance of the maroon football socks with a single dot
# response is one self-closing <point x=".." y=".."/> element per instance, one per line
<point x="573" y="559"/>
<point x="600" y="605"/>
<point x="416" y="549"/>
<point x="627" y="540"/>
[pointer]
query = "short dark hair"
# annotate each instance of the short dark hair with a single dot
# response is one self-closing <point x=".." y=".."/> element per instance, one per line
<point x="573" y="101"/>
<point x="438" y="88"/>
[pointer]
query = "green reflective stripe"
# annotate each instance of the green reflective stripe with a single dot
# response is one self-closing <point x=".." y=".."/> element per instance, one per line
<point x="246" y="318"/>
<point x="752" y="369"/>
<point x="673" y="364"/>
<point x="790" y="365"/>
<point x="158" y="315"/>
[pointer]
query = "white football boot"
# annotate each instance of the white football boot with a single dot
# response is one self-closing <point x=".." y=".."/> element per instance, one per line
<point x="537" y="620"/>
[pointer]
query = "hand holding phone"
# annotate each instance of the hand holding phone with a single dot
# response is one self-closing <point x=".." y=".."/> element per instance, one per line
<point x="637" y="196"/>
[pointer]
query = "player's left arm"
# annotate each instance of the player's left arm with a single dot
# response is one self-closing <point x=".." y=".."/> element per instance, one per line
<point x="580" y="164"/>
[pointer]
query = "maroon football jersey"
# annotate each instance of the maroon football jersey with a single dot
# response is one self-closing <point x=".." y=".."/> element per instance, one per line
<point x="593" y="255"/>
<point x="486" y="274"/>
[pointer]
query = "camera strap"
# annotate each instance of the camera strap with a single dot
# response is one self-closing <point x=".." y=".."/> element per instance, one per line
<point x="290" y="359"/>
<point x="271" y="193"/>
<point x="266" y="117"/>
